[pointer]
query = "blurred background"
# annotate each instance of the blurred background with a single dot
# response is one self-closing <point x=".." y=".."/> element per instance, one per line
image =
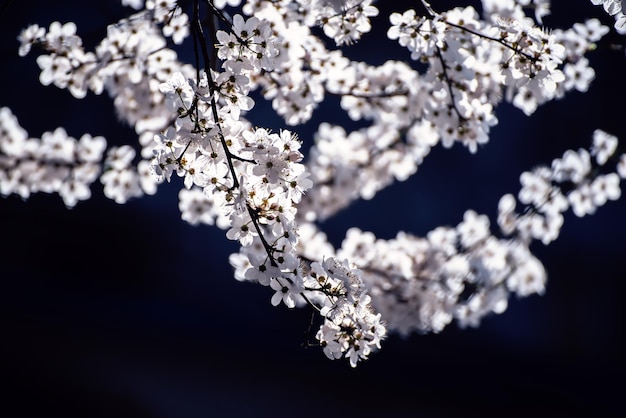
<point x="125" y="310"/>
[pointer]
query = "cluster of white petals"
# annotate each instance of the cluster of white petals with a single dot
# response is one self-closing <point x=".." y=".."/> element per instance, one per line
<point x="574" y="180"/>
<point x="129" y="64"/>
<point x="465" y="272"/>
<point x="122" y="180"/>
<point x="455" y="273"/>
<point x="351" y="328"/>
<point x="251" y="181"/>
<point x="56" y="163"/>
<point x="255" y="184"/>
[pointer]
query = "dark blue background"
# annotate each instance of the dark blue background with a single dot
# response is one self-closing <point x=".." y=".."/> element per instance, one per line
<point x="112" y="310"/>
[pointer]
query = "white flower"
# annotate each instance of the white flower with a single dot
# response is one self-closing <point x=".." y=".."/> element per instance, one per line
<point x="579" y="75"/>
<point x="194" y="170"/>
<point x="573" y="166"/>
<point x="121" y="185"/>
<point x="286" y="291"/>
<point x="241" y="229"/>
<point x="592" y="29"/>
<point x="13" y="138"/>
<point x="473" y="229"/>
<point x="603" y="147"/>
<point x="62" y="38"/>
<point x="178" y="91"/>
<point x="58" y="146"/>
<point x="261" y="270"/>
<point x="55" y="69"/>
<point x="28" y="37"/>
<point x="605" y="187"/>
<point x="119" y="158"/>
<point x="72" y="191"/>
<point x="528" y="278"/>
<point x="90" y="149"/>
<point x="582" y="200"/>
<point x="177" y="28"/>
<point x="297" y="185"/>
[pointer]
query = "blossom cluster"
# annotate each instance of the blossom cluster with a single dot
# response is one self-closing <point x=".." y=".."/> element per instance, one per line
<point x="502" y="51"/>
<point x="345" y="21"/>
<point x="575" y="181"/>
<point x="255" y="184"/>
<point x="128" y="64"/>
<point x="122" y="180"/>
<point x="59" y="163"/>
<point x="251" y="181"/>
<point x="465" y="272"/>
<point x="56" y="163"/>
<point x="481" y="62"/>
